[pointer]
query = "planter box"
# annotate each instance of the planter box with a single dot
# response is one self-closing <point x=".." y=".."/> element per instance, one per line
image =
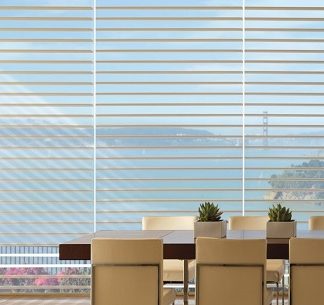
<point x="216" y="229"/>
<point x="281" y="229"/>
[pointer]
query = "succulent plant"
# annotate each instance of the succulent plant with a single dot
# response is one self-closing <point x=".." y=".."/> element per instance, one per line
<point x="279" y="213"/>
<point x="209" y="212"/>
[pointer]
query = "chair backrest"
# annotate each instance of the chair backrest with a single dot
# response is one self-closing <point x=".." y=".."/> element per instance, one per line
<point x="168" y="222"/>
<point x="248" y="222"/>
<point x="306" y="271"/>
<point x="126" y="271"/>
<point x="230" y="271"/>
<point x="316" y="223"/>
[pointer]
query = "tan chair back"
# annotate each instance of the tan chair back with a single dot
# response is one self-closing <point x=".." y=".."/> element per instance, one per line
<point x="230" y="271"/>
<point x="168" y="222"/>
<point x="248" y="222"/>
<point x="306" y="271"/>
<point x="316" y="223"/>
<point x="126" y="271"/>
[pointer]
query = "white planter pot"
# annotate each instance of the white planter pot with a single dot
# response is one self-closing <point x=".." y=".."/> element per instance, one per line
<point x="216" y="229"/>
<point x="281" y="229"/>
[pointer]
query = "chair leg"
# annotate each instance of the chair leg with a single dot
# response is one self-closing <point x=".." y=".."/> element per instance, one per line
<point x="277" y="284"/>
<point x="185" y="282"/>
<point x="283" y="289"/>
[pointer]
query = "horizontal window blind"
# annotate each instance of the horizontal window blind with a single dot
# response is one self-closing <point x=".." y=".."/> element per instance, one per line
<point x="169" y="132"/>
<point x="284" y="106"/>
<point x="168" y="111"/>
<point x="46" y="121"/>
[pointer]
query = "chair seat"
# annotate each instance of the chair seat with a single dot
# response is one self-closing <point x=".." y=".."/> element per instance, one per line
<point x="275" y="270"/>
<point x="169" y="296"/>
<point x="173" y="270"/>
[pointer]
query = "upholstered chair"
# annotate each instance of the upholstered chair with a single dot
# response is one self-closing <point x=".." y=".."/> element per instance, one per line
<point x="316" y="223"/>
<point x="306" y="258"/>
<point x="128" y="271"/>
<point x="275" y="268"/>
<point x="221" y="266"/>
<point x="172" y="269"/>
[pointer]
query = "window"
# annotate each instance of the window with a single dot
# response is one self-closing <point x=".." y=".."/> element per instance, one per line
<point x="169" y="109"/>
<point x="284" y="106"/>
<point x="46" y="141"/>
<point x="115" y="110"/>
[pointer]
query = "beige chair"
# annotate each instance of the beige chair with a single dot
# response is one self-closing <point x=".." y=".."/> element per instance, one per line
<point x="275" y="268"/>
<point x="168" y="222"/>
<point x="172" y="269"/>
<point x="316" y="223"/>
<point x="306" y="271"/>
<point x="248" y="222"/>
<point x="128" y="271"/>
<point x="221" y="266"/>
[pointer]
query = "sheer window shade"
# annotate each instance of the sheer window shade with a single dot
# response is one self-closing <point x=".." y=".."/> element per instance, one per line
<point x="284" y="106"/>
<point x="169" y="104"/>
<point x="46" y="121"/>
<point x="167" y="114"/>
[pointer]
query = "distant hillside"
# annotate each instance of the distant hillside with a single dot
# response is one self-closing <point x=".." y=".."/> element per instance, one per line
<point x="295" y="179"/>
<point x="160" y="136"/>
<point x="173" y="131"/>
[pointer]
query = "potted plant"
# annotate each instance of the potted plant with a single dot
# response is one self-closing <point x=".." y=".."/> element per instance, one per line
<point x="280" y="224"/>
<point x="209" y="222"/>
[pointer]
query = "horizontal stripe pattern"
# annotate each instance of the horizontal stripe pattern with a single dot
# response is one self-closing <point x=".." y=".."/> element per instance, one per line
<point x="46" y="122"/>
<point x="169" y="103"/>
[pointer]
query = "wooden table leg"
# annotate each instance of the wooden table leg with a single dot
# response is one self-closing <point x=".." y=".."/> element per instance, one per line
<point x="185" y="282"/>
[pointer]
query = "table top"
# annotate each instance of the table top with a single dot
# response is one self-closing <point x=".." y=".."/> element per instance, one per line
<point x="177" y="244"/>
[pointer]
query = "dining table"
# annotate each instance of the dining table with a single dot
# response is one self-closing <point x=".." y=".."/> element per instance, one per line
<point x="177" y="244"/>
